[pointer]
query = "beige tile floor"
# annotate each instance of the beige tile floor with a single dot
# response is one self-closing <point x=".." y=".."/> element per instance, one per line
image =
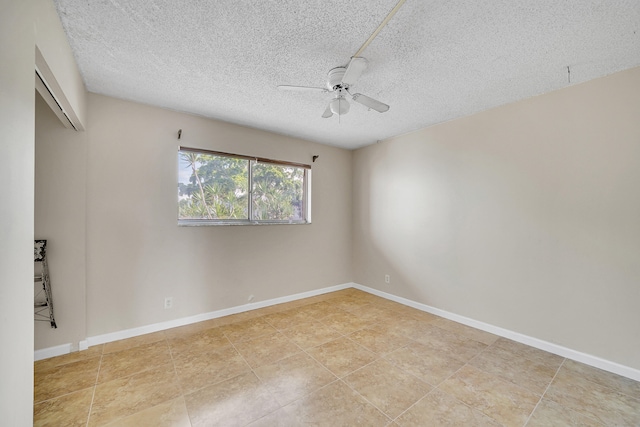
<point x="342" y="359"/>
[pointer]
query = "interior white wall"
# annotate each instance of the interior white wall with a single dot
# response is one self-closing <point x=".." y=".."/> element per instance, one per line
<point x="136" y="253"/>
<point x="17" y="42"/>
<point x="52" y="43"/>
<point x="22" y="25"/>
<point x="60" y="217"/>
<point x="525" y="217"/>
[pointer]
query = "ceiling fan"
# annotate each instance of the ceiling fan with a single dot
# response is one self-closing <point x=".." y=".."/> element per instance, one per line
<point x="340" y="80"/>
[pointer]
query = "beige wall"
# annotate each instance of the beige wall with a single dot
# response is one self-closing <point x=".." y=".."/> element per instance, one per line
<point x="65" y="77"/>
<point x="114" y="189"/>
<point x="136" y="253"/>
<point x="106" y="201"/>
<point x="60" y="212"/>
<point x="525" y="217"/>
<point x="16" y="212"/>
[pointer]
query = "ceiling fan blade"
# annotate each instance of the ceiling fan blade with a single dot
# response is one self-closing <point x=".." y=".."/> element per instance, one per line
<point x="327" y="113"/>
<point x="303" y="88"/>
<point x="355" y="68"/>
<point x="370" y="102"/>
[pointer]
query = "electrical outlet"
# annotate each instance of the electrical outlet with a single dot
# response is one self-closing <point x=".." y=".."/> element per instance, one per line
<point x="387" y="279"/>
<point x="251" y="298"/>
<point x="168" y="302"/>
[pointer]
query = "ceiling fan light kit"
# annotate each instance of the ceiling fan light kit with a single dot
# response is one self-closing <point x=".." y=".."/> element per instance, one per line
<point x="340" y="79"/>
<point x="339" y="106"/>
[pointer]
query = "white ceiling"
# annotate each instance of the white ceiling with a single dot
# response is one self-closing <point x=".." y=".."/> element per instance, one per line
<point x="434" y="61"/>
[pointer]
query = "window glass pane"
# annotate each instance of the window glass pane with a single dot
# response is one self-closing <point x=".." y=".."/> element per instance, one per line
<point x="277" y="192"/>
<point x="212" y="187"/>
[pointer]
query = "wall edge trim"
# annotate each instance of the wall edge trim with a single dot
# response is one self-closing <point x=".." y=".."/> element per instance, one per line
<point x="48" y="352"/>
<point x="161" y="326"/>
<point x="566" y="352"/>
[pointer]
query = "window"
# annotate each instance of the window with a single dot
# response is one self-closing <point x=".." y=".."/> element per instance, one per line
<point x="220" y="188"/>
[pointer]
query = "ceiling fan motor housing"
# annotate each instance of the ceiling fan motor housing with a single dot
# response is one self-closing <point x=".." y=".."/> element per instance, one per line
<point x="334" y="79"/>
<point x="339" y="80"/>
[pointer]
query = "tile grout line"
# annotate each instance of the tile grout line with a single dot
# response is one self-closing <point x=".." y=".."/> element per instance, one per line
<point x="607" y="386"/>
<point x="276" y="330"/>
<point x="365" y="399"/>
<point x="136" y="373"/>
<point x="337" y="378"/>
<point x="175" y="371"/>
<point x="378" y="357"/>
<point x="302" y="350"/>
<point x="545" y="392"/>
<point x="95" y="386"/>
<point x="406" y="372"/>
<point x="231" y="343"/>
<point x="173" y="362"/>
<point x="166" y="341"/>
<point x="304" y="395"/>
<point x="245" y="360"/>
<point x="436" y="387"/>
<point x="468" y="364"/>
<point x="221" y="381"/>
<point x="505" y="380"/>
<point x="382" y="357"/>
<point x="414" y="404"/>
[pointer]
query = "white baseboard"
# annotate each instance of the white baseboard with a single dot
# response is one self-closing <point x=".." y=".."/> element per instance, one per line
<point x="129" y="333"/>
<point x="588" y="359"/>
<point x="578" y="356"/>
<point x="48" y="352"/>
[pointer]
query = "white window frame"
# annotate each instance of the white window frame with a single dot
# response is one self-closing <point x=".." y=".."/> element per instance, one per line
<point x="306" y="194"/>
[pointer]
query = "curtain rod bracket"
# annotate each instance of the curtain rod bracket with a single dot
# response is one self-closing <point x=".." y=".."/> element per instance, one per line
<point x="314" y="158"/>
<point x="179" y="134"/>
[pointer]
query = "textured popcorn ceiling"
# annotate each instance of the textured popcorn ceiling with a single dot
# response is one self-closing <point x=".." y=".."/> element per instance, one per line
<point x="435" y="60"/>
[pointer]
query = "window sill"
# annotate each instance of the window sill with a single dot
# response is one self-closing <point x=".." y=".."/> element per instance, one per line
<point x="205" y="223"/>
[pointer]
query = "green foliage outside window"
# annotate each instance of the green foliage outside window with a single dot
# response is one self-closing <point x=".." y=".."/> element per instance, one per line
<point x="213" y="187"/>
